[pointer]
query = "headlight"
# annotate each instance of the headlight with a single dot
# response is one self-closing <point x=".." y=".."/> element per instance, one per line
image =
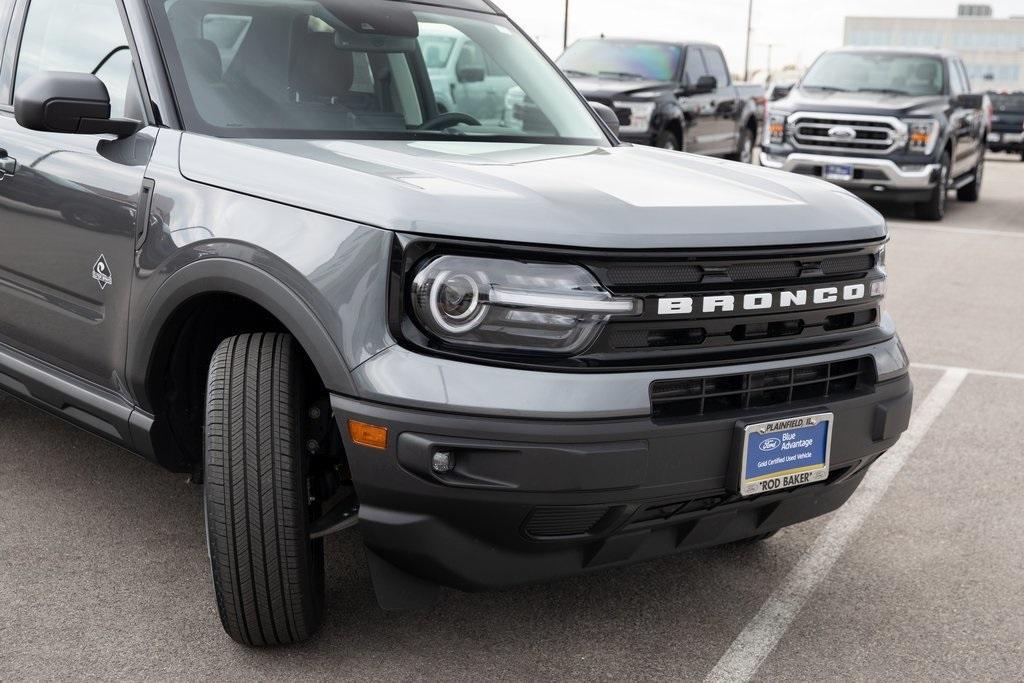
<point x="922" y="135"/>
<point x="510" y="306"/>
<point x="775" y="131"/>
<point x="640" y="114"/>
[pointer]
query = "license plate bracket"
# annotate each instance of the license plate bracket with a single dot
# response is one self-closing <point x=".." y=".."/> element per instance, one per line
<point x="783" y="453"/>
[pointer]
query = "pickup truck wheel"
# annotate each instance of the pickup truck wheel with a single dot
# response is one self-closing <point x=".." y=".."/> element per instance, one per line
<point x="667" y="139"/>
<point x="971" y="192"/>
<point x="267" y="573"/>
<point x="935" y="208"/>
<point x="745" y="153"/>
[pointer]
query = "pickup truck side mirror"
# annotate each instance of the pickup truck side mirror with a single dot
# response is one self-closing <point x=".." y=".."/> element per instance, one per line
<point x="780" y="91"/>
<point x="970" y="101"/>
<point x="470" y="74"/>
<point x="704" y="84"/>
<point x="606" y="114"/>
<point x="64" y="102"/>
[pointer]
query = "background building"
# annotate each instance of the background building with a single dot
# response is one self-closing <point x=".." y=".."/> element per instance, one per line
<point x="992" y="49"/>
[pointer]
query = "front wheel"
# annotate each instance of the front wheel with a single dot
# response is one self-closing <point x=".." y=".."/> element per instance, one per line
<point x="267" y="573"/>
<point x="935" y="208"/>
<point x="971" y="192"/>
<point x="745" y="152"/>
<point x="667" y="139"/>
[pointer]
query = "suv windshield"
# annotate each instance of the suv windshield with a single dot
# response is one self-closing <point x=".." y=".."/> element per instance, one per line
<point x="622" y="59"/>
<point x="343" y="69"/>
<point x="877" y="72"/>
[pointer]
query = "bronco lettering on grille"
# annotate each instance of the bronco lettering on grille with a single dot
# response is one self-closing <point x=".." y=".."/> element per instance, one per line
<point x="761" y="301"/>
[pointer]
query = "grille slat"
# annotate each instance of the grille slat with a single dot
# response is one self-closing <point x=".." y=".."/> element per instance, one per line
<point x="699" y="397"/>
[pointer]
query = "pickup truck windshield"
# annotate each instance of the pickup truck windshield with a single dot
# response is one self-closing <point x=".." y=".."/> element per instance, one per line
<point x="628" y="60"/>
<point x="886" y="73"/>
<point x="358" y="69"/>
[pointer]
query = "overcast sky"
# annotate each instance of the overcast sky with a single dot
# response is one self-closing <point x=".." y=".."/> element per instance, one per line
<point x="797" y="29"/>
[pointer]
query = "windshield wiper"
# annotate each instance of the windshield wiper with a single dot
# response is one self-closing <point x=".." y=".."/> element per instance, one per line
<point x="828" y="88"/>
<point x="884" y="91"/>
<point x="577" y="72"/>
<point x="624" y="75"/>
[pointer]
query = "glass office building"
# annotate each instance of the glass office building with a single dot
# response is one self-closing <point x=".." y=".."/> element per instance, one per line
<point x="992" y="49"/>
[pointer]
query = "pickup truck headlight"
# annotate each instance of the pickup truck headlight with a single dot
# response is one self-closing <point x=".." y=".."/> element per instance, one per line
<point x="775" y="131"/>
<point x="511" y="306"/>
<point x="922" y="135"/>
<point x="640" y="114"/>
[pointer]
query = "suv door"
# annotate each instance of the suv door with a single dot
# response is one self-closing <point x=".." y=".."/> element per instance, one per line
<point x="724" y="127"/>
<point x="699" y="109"/>
<point x="68" y="211"/>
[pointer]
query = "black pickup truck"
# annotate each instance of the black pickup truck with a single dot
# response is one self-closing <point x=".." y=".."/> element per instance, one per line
<point x="671" y="95"/>
<point x="1007" y="134"/>
<point x="886" y="124"/>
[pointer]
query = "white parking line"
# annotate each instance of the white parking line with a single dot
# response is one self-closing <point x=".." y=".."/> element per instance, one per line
<point x="753" y="645"/>
<point x="956" y="230"/>
<point x="970" y="371"/>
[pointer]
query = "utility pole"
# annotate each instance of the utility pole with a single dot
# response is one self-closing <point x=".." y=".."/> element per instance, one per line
<point x="750" y="30"/>
<point x="565" y="34"/>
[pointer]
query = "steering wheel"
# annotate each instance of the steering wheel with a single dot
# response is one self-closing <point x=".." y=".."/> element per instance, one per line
<point x="448" y="120"/>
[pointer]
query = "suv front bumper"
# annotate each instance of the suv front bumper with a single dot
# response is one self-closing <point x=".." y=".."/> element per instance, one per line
<point x="878" y="178"/>
<point x="533" y="499"/>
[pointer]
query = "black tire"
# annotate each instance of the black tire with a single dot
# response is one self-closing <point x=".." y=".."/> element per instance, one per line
<point x="667" y="139"/>
<point x="971" y="192"/>
<point x="267" y="573"/>
<point x="935" y="208"/>
<point x="745" y="151"/>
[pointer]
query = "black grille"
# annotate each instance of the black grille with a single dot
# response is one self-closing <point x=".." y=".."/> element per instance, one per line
<point x="846" y="265"/>
<point x="654" y="274"/>
<point x="702" y="396"/>
<point x="563" y="521"/>
<point x="767" y="270"/>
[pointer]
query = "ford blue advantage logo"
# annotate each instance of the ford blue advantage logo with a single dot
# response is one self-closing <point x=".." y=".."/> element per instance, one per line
<point x="769" y="445"/>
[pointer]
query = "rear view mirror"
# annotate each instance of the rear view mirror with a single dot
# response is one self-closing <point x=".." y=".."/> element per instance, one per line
<point x="704" y="84"/>
<point x="63" y="102"/>
<point x="470" y="74"/>
<point x="608" y="115"/>
<point x="970" y="101"/>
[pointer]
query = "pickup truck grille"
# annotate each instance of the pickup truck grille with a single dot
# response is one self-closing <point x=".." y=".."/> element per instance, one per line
<point x="844" y="133"/>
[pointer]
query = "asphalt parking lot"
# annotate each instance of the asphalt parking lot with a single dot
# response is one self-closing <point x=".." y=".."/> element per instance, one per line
<point x="921" y="577"/>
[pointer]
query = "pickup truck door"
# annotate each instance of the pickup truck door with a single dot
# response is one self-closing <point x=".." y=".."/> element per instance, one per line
<point x="966" y="124"/>
<point x="698" y="108"/>
<point x="724" y="127"/>
<point x="69" y="203"/>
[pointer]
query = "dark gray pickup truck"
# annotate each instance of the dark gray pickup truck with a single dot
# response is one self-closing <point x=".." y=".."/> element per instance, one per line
<point x="242" y="239"/>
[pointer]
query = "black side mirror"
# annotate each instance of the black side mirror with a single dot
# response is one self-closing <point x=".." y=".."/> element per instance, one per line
<point x="470" y="74"/>
<point x="63" y="102"/>
<point x="606" y="114"/>
<point x="780" y="91"/>
<point x="704" y="84"/>
<point x="970" y="101"/>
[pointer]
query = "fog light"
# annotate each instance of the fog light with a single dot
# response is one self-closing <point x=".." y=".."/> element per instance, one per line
<point x="443" y="462"/>
<point x="372" y="436"/>
<point x="878" y="288"/>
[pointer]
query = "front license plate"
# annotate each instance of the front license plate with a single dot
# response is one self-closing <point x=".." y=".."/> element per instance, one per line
<point x="994" y="137"/>
<point x="838" y="172"/>
<point x="785" y="453"/>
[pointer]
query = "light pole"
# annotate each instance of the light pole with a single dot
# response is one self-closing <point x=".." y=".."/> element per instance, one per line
<point x="750" y="29"/>
<point x="565" y="34"/>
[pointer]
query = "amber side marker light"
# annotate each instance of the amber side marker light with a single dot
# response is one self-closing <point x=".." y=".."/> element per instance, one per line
<point x="372" y="436"/>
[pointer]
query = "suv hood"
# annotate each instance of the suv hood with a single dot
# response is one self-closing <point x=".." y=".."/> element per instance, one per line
<point x="859" y="102"/>
<point x="576" y="196"/>
<point x="612" y="88"/>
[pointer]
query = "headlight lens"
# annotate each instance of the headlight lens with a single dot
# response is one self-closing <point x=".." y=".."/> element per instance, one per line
<point x="510" y="306"/>
<point x="775" y="131"/>
<point x="639" y="116"/>
<point x="922" y="135"/>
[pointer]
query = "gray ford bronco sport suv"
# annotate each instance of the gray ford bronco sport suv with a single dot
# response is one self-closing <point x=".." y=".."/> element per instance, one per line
<point x="242" y="239"/>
